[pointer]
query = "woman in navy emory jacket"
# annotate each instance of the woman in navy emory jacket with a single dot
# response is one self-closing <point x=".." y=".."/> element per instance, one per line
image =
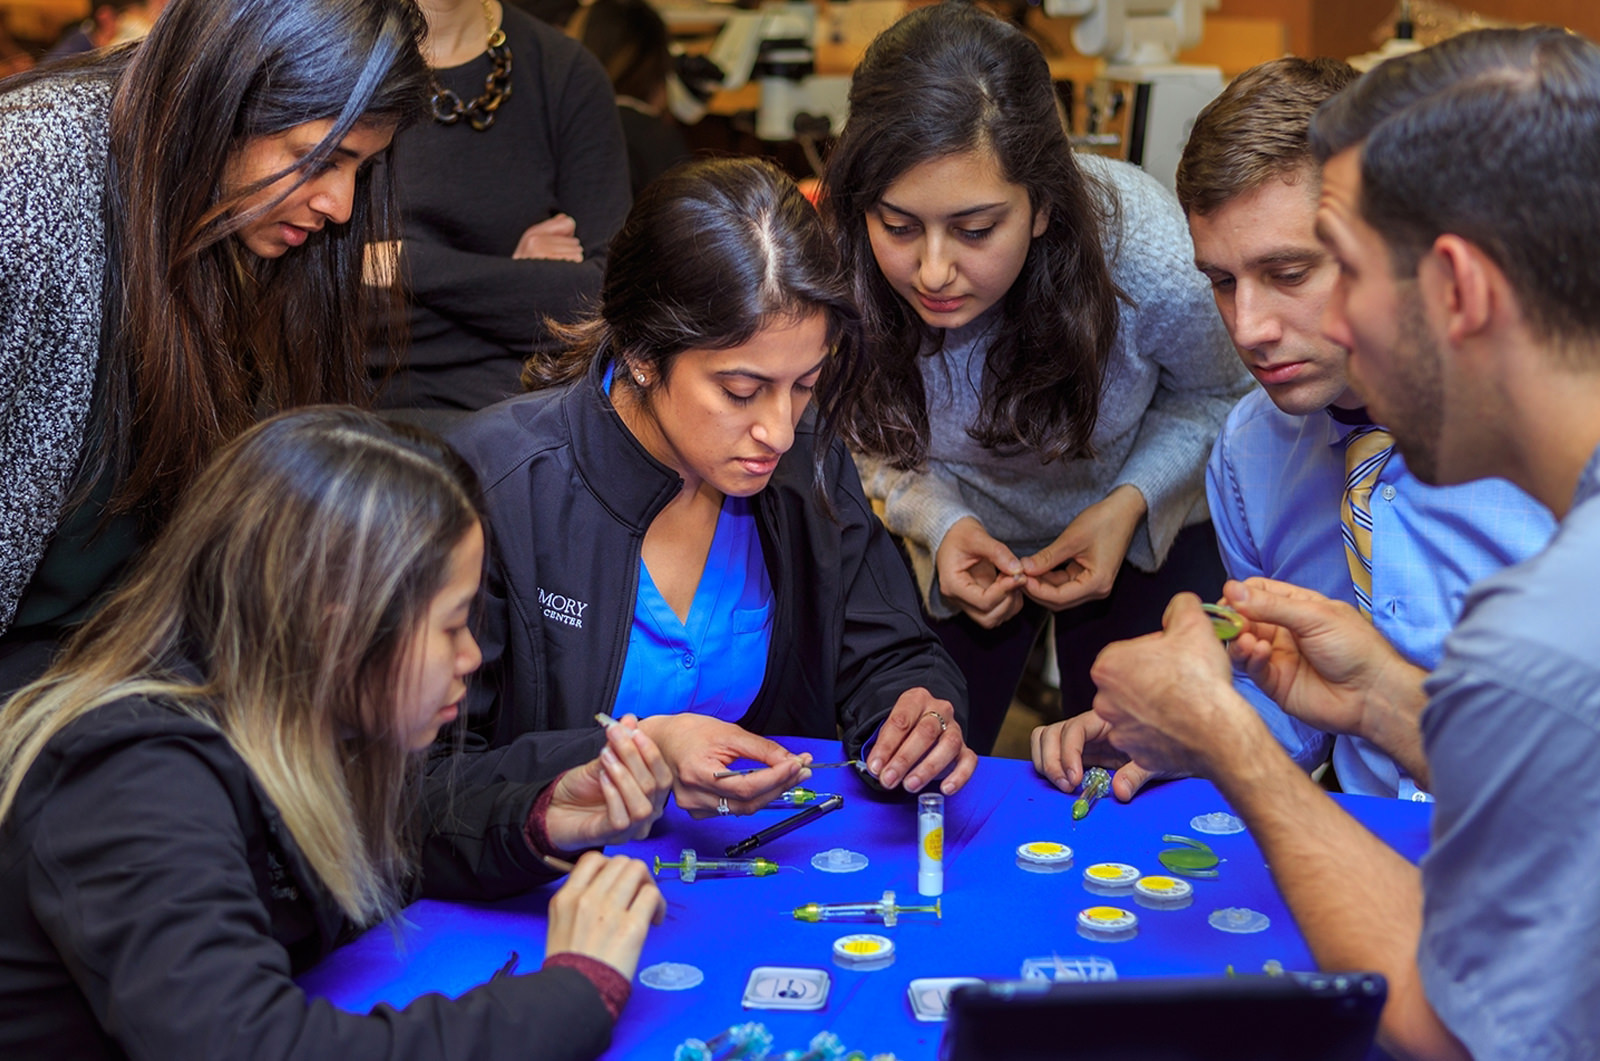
<point x="721" y="306"/>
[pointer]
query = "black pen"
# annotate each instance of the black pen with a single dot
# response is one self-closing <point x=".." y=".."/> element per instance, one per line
<point x="788" y="825"/>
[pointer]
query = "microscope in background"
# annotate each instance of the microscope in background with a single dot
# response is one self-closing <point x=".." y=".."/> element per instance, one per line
<point x="1143" y="105"/>
<point x="775" y="46"/>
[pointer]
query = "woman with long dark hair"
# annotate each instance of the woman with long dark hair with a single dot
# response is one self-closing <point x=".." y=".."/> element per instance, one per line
<point x="677" y="537"/>
<point x="182" y="234"/>
<point x="222" y="778"/>
<point x="1045" y="371"/>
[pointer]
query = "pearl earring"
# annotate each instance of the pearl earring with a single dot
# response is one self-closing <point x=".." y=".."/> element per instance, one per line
<point x="639" y="378"/>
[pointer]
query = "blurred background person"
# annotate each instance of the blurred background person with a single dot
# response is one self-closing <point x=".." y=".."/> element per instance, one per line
<point x="110" y="22"/>
<point x="509" y="196"/>
<point x="630" y="40"/>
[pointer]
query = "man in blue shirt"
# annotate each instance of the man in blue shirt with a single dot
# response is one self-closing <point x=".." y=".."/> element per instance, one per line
<point x="1469" y="299"/>
<point x="1276" y="480"/>
<point x="1277" y="474"/>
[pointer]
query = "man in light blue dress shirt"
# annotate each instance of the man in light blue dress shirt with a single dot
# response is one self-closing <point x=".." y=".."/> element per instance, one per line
<point x="1276" y="479"/>
<point x="1469" y="299"/>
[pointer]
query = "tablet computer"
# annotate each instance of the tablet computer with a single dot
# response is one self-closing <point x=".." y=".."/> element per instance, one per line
<point x="1302" y="1016"/>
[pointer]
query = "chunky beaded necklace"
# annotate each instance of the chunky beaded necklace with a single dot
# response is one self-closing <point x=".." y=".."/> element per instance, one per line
<point x="448" y="107"/>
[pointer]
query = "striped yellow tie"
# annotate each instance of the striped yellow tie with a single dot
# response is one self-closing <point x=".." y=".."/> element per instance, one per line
<point x="1366" y="451"/>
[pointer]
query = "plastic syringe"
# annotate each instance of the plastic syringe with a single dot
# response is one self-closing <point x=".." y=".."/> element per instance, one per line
<point x="691" y="865"/>
<point x="885" y="908"/>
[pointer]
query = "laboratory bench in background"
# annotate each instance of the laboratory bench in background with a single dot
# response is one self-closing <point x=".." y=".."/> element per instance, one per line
<point x="996" y="913"/>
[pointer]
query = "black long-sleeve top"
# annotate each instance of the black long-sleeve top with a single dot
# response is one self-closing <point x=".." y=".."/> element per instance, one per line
<point x="467" y="196"/>
<point x="154" y="905"/>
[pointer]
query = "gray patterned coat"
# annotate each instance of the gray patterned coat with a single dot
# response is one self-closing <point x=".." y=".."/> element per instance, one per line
<point x="53" y="149"/>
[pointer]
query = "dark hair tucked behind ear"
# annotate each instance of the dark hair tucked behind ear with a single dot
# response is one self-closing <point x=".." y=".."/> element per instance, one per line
<point x="943" y="81"/>
<point x="200" y="336"/>
<point x="1493" y="136"/>
<point x="713" y="252"/>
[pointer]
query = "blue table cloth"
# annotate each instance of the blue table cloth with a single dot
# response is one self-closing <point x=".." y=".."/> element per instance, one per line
<point x="995" y="914"/>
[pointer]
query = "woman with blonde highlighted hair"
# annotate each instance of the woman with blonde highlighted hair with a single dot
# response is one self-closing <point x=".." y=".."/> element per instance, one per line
<point x="223" y="776"/>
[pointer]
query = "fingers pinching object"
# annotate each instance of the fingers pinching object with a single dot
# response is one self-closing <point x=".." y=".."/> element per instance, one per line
<point x="1096" y="783"/>
<point x="793" y="798"/>
<point x="720" y="774"/>
<point x="1225" y="622"/>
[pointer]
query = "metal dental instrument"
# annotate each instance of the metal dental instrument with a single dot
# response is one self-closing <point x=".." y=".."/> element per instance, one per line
<point x="788" y="825"/>
<point x="809" y="766"/>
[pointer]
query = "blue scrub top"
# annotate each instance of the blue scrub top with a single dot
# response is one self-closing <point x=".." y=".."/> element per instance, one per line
<point x="715" y="662"/>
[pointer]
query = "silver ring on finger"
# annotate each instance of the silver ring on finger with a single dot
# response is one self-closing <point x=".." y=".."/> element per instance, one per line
<point x="943" y="725"/>
<point x="722" y="806"/>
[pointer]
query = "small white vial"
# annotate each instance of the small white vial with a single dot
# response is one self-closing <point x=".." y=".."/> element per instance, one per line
<point x="930" y="844"/>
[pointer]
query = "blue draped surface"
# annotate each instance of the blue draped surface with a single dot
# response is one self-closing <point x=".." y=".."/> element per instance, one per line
<point x="995" y="914"/>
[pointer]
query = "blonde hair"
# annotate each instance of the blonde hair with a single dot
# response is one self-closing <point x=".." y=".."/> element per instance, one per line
<point x="278" y="606"/>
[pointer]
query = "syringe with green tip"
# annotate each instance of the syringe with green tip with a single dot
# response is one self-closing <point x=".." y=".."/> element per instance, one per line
<point x="885" y="908"/>
<point x="691" y="865"/>
<point x="1096" y="783"/>
<point x="794" y="797"/>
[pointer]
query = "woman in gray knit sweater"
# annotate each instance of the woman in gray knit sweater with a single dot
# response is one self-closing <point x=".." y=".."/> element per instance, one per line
<point x="1047" y="370"/>
<point x="182" y="225"/>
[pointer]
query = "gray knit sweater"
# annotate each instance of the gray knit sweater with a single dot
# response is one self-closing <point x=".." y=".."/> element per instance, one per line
<point x="1169" y="383"/>
<point x="53" y="143"/>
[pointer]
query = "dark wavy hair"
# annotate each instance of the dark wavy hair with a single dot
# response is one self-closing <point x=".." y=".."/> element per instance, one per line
<point x="1493" y="136"/>
<point x="714" y="251"/>
<point x="943" y="81"/>
<point x="199" y="337"/>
